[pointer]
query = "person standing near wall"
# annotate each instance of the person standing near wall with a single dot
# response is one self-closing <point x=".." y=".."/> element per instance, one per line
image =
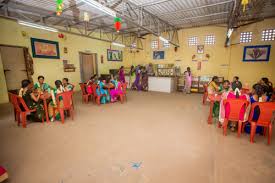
<point x="188" y="80"/>
<point x="121" y="75"/>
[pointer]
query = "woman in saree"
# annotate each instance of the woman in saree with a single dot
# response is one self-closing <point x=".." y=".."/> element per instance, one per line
<point x="67" y="86"/>
<point x="117" y="90"/>
<point x="188" y="80"/>
<point x="53" y="104"/>
<point x="101" y="91"/>
<point x="136" y="84"/>
<point x="144" y="80"/>
<point x="32" y="101"/>
<point x="121" y="75"/>
<point x="41" y="86"/>
<point x="213" y="89"/>
<point x="132" y="75"/>
<point x="235" y="93"/>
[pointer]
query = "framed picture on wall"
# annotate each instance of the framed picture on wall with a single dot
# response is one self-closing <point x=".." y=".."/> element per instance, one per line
<point x="114" y="55"/>
<point x="45" y="49"/>
<point x="200" y="49"/>
<point x="158" y="55"/>
<point x="258" y="53"/>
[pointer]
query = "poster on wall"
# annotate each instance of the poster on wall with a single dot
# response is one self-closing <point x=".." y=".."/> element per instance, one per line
<point x="45" y="49"/>
<point x="114" y="55"/>
<point x="258" y="53"/>
<point x="158" y="55"/>
<point x="200" y="49"/>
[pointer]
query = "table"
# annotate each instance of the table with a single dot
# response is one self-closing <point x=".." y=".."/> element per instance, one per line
<point x="161" y="84"/>
<point x="44" y="97"/>
<point x="213" y="98"/>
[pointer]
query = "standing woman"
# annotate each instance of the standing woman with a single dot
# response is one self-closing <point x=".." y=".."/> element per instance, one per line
<point x="188" y="80"/>
<point x="136" y="84"/>
<point x="132" y="75"/>
<point x="121" y="75"/>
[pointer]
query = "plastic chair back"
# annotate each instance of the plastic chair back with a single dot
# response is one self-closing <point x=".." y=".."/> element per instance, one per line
<point x="267" y="110"/>
<point x="66" y="98"/>
<point x="235" y="108"/>
<point x="95" y="87"/>
<point x="23" y="104"/>
<point x="124" y="87"/>
<point x="83" y="88"/>
<point x="15" y="102"/>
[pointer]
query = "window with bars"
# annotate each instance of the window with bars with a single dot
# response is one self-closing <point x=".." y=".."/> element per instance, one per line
<point x="193" y="41"/>
<point x="268" y="35"/>
<point x="166" y="44"/>
<point x="154" y="44"/>
<point x="246" y="37"/>
<point x="210" y="39"/>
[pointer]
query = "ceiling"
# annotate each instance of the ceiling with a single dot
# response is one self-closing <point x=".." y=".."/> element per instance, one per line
<point x="140" y="17"/>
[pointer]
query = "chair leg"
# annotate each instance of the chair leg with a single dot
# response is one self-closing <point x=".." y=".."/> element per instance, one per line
<point x="265" y="129"/>
<point x="18" y="118"/>
<point x="15" y="114"/>
<point x="269" y="134"/>
<point x="240" y="123"/>
<point x="61" y="112"/>
<point x="225" y="123"/>
<point x="24" y="120"/>
<point x="98" y="100"/>
<point x="252" y="131"/>
<point x="72" y="114"/>
<point x="121" y="97"/>
<point x="243" y="127"/>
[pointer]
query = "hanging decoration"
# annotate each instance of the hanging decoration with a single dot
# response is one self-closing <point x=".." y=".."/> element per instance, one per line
<point x="61" y="36"/>
<point x="59" y="6"/>
<point x="117" y="25"/>
<point x="244" y="3"/>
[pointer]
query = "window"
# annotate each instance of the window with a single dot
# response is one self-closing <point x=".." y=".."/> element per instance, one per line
<point x="155" y="44"/>
<point x="166" y="44"/>
<point x="210" y="39"/>
<point x="246" y="37"/>
<point x="268" y="35"/>
<point x="192" y="41"/>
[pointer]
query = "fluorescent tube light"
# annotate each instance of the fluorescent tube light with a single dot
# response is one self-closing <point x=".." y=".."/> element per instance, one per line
<point x="229" y="32"/>
<point x="100" y="7"/>
<point x="37" y="26"/>
<point x="118" y="44"/>
<point x="163" y="39"/>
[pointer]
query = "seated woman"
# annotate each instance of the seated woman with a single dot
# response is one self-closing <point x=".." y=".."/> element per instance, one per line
<point x="93" y="80"/>
<point x="67" y="86"/>
<point x="52" y="105"/>
<point x="225" y="86"/>
<point x="235" y="93"/>
<point x="213" y="88"/>
<point x="268" y="86"/>
<point x="41" y="86"/>
<point x="32" y="100"/>
<point x="117" y="91"/>
<point x="101" y="91"/>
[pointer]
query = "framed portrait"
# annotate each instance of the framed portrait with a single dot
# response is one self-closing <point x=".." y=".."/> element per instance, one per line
<point x="45" y="49"/>
<point x="158" y="55"/>
<point x="258" y="53"/>
<point x="200" y="49"/>
<point x="114" y="55"/>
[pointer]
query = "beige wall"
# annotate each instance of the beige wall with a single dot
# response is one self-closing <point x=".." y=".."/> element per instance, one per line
<point x="3" y="86"/>
<point x="223" y="61"/>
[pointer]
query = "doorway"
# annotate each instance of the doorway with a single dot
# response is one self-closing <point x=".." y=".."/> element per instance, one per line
<point x="14" y="66"/>
<point x="88" y="65"/>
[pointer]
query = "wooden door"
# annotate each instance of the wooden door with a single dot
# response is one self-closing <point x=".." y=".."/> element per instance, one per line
<point x="88" y="66"/>
<point x="14" y="66"/>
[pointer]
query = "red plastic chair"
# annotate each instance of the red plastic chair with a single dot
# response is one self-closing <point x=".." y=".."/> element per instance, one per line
<point x="235" y="107"/>
<point x="85" y="95"/>
<point x="16" y="108"/>
<point x="205" y="93"/>
<point x="96" y="97"/>
<point x="267" y="110"/>
<point x="67" y="104"/>
<point x="25" y="112"/>
<point x="124" y="89"/>
<point x="273" y="96"/>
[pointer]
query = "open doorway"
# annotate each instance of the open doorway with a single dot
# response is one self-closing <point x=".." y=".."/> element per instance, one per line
<point x="14" y="66"/>
<point x="88" y="65"/>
